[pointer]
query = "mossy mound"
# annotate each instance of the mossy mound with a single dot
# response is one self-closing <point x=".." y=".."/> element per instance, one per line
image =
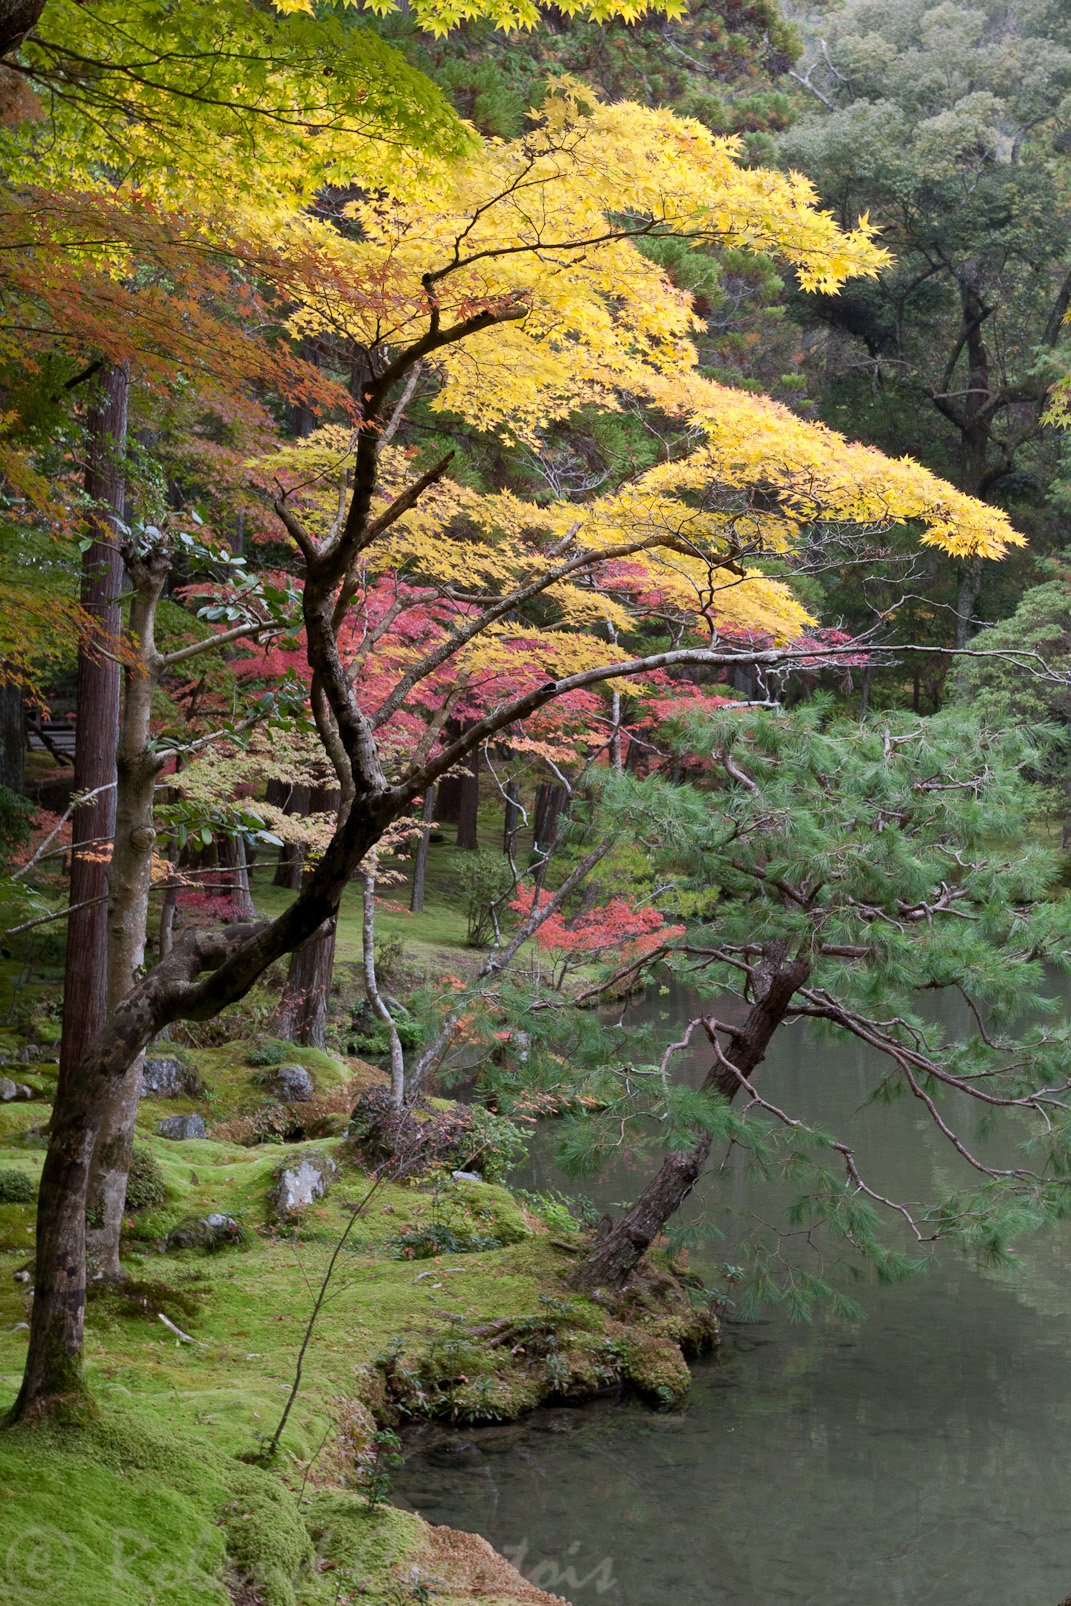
<point x="162" y="1486"/>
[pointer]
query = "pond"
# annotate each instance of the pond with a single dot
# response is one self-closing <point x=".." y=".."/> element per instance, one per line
<point x="919" y="1456"/>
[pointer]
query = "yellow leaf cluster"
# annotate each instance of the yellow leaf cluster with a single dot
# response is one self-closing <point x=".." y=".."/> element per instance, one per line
<point x="551" y="222"/>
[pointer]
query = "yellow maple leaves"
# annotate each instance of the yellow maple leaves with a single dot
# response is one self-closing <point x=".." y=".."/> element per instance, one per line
<point x="554" y="222"/>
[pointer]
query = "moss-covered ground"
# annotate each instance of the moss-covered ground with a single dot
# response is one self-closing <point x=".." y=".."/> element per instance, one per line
<point x="164" y="1496"/>
<point x="161" y="1499"/>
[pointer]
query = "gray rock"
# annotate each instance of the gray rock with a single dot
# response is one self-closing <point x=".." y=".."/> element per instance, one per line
<point x="182" y="1127"/>
<point x="164" y="1077"/>
<point x="203" y="1232"/>
<point x="23" y="1092"/>
<point x="8" y="1090"/>
<point x="466" y="1176"/>
<point x="297" y="1183"/>
<point x="291" y="1084"/>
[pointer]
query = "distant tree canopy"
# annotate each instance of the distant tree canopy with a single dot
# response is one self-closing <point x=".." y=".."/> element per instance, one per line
<point x="950" y="126"/>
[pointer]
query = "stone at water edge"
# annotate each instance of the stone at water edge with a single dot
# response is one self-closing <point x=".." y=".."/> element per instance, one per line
<point x="305" y="1178"/>
<point x="164" y="1077"/>
<point x="291" y="1084"/>
<point x="181" y="1128"/>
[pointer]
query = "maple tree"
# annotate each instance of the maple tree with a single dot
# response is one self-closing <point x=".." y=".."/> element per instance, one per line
<point x="515" y="281"/>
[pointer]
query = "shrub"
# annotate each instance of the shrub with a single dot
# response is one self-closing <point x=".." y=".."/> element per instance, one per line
<point x="410" y="1141"/>
<point x="16" y="1187"/>
<point x="270" y="1052"/>
<point x="557" y="1211"/>
<point x="16" y="822"/>
<point x="424" y="1240"/>
<point x="488" y="880"/>
<point x="145" y="1183"/>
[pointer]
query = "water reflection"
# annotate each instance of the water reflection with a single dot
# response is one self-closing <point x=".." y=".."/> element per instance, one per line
<point x="919" y="1458"/>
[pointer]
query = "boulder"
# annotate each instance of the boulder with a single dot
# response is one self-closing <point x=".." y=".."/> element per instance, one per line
<point x="10" y="1090"/>
<point x="182" y="1127"/>
<point x="290" y="1084"/>
<point x="203" y="1232"/>
<point x="299" y="1181"/>
<point x="164" y="1077"/>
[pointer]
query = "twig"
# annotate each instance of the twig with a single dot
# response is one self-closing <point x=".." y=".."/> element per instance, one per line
<point x="60" y="914"/>
<point x="185" y="1337"/>
<point x="317" y="1307"/>
<point x="75" y="803"/>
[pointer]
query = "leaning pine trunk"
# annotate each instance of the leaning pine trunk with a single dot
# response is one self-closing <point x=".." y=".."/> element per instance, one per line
<point x="617" y="1252"/>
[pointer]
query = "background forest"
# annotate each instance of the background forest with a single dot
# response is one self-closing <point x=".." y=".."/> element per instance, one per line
<point x="508" y="514"/>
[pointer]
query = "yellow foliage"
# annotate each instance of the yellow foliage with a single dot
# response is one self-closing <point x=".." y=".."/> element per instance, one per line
<point x="549" y="223"/>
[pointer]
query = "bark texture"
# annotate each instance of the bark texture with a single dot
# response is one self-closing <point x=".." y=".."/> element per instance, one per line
<point x="420" y="868"/>
<point x="12" y="735"/>
<point x="97" y="702"/>
<point x="137" y="767"/>
<point x="302" y="1013"/>
<point x="17" y="19"/>
<point x="235" y="874"/>
<point x="469" y="804"/>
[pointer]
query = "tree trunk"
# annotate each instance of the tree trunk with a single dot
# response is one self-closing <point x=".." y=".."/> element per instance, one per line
<point x="12" y="736"/>
<point x="513" y="818"/>
<point x="618" y="1250"/>
<point x="137" y="767"/>
<point x="97" y="702"/>
<point x="420" y="868"/>
<point x="970" y="584"/>
<point x="468" y="812"/>
<point x="293" y="800"/>
<point x="547" y="823"/>
<point x="302" y="1013"/>
<point x="368" y="950"/>
<point x="17" y="19"/>
<point x="235" y="874"/>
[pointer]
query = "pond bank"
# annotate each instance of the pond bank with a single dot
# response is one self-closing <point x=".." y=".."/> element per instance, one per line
<point x="160" y="1497"/>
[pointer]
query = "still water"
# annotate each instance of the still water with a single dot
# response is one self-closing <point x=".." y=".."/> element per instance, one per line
<point x="923" y="1456"/>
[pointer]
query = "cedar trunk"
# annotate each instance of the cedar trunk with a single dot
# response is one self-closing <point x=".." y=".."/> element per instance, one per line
<point x="420" y="868"/>
<point x="301" y="1016"/>
<point x="235" y="874"/>
<point x="302" y="1013"/>
<point x="12" y="735"/>
<point x="97" y="701"/>
<point x="469" y="803"/>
